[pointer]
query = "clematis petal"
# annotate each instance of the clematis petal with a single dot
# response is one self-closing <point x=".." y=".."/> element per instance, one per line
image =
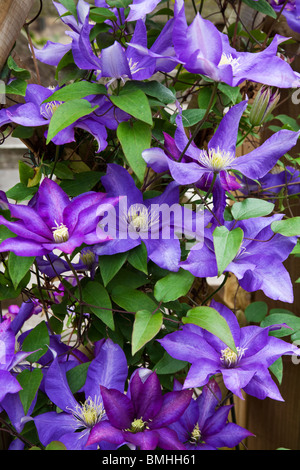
<point x="52" y="201"/>
<point x="258" y="162"/>
<point x="105" y="431"/>
<point x="173" y="406"/>
<point x="118" y="407"/>
<point x="146" y="396"/>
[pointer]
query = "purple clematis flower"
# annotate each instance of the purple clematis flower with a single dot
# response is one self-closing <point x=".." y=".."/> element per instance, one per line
<point x="136" y="62"/>
<point x="52" y="52"/>
<point x="202" y="166"/>
<point x="36" y="113"/>
<point x="205" y="50"/>
<point x="261" y="254"/>
<point x="142" y="417"/>
<point x="204" y="424"/>
<point x="291" y="11"/>
<point x="55" y="222"/>
<point x="246" y="369"/>
<point x="8" y="360"/>
<point x="19" y="315"/>
<point x="142" y="220"/>
<point x="73" y="425"/>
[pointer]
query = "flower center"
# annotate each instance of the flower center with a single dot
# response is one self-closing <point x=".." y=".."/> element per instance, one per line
<point x="48" y="109"/>
<point x="216" y="159"/>
<point x="138" y="218"/>
<point x="89" y="413"/>
<point x="227" y="59"/>
<point x="137" y="425"/>
<point x="229" y="358"/>
<point x="134" y="66"/>
<point x="60" y="233"/>
<point x="87" y="257"/>
<point x="195" y="435"/>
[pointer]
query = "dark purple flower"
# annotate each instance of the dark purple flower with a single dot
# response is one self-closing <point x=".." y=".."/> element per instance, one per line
<point x="140" y="220"/>
<point x="261" y="254"/>
<point x="53" y="265"/>
<point x="190" y="164"/>
<point x="204" y="424"/>
<point x="203" y="49"/>
<point x="246" y="369"/>
<point x="55" y="222"/>
<point x="142" y="417"/>
<point x="73" y="425"/>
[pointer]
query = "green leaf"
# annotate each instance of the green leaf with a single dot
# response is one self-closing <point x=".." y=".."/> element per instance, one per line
<point x="291" y="321"/>
<point x="82" y="182"/>
<point x="132" y="300"/>
<point x="70" y="6"/>
<point x="256" y="311"/>
<point x="76" y="91"/>
<point x="204" y="97"/>
<point x="152" y="88"/>
<point x="18" y="266"/>
<point x="17" y="71"/>
<point x="30" y="382"/>
<point x="134" y="138"/>
<point x="6" y="233"/>
<point x="261" y="5"/>
<point x="20" y="192"/>
<point x="76" y="376"/>
<point x="99" y="302"/>
<point x="99" y="15"/>
<point x="37" y="340"/>
<point x="227" y="244"/>
<point x="55" y="445"/>
<point x="16" y="87"/>
<point x="190" y="117"/>
<point x="277" y="369"/>
<point x="287" y="227"/>
<point x="209" y="319"/>
<point x="233" y="93"/>
<point x="119" y="3"/>
<point x="110" y="265"/>
<point x="173" y="286"/>
<point x="26" y="172"/>
<point x="250" y="208"/>
<point x="134" y="103"/>
<point x="169" y="365"/>
<point x="66" y="114"/>
<point x="146" y="326"/>
<point x="138" y="256"/>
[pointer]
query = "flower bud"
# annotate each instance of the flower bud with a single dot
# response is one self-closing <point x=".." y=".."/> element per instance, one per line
<point x="263" y="105"/>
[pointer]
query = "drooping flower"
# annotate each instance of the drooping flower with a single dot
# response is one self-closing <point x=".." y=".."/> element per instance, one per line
<point x="261" y="254"/>
<point x="35" y="113"/>
<point x="73" y="425"/>
<point x="246" y="369"/>
<point x="55" y="222"/>
<point x="189" y="164"/>
<point x="53" y="265"/>
<point x="203" y="49"/>
<point x="52" y="52"/>
<point x="142" y="417"/>
<point x="204" y="424"/>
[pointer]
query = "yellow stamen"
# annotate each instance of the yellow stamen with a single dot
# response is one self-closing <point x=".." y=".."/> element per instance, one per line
<point x="60" y="233"/>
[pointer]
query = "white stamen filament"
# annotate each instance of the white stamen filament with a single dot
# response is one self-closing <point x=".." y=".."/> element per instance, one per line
<point x="89" y="413"/>
<point x="60" y="233"/>
<point x="216" y="159"/>
<point x="229" y="358"/>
